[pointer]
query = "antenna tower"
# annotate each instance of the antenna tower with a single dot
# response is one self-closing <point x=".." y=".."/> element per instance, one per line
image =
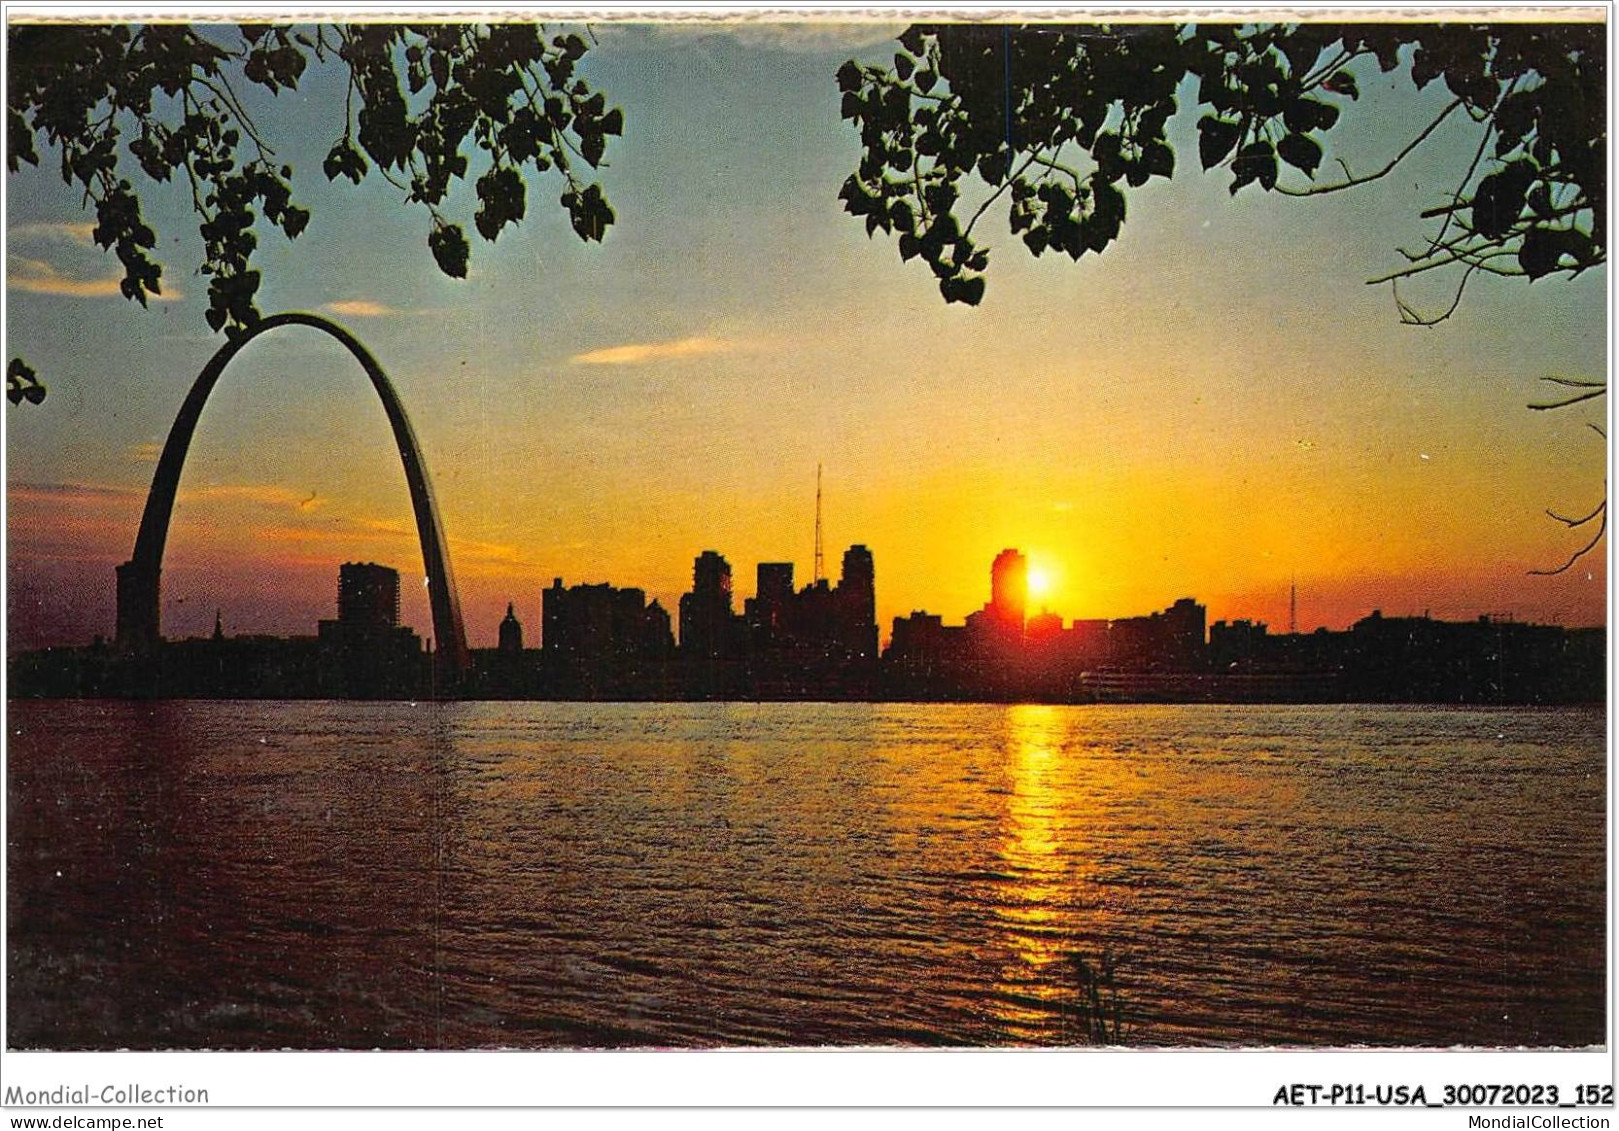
<point x="820" y="560"/>
<point x="1293" y="608"/>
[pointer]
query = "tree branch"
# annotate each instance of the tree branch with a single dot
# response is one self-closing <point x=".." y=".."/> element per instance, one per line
<point x="1320" y="190"/>
<point x="1581" y="552"/>
<point x="1409" y="315"/>
<point x="1456" y="197"/>
<point x="1570" y="401"/>
<point x="1319" y="75"/>
<point x="994" y="196"/>
<point x="1573" y="522"/>
<point x="1058" y="167"/>
<point x="227" y="95"/>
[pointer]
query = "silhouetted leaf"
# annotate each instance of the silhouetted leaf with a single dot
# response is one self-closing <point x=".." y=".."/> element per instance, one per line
<point x="1255" y="161"/>
<point x="1160" y="159"/>
<point x="22" y="383"/>
<point x="1216" y="139"/>
<point x="450" y="251"/>
<point x="1300" y="152"/>
<point x="502" y="200"/>
<point x="1499" y="199"/>
<point x="1342" y="83"/>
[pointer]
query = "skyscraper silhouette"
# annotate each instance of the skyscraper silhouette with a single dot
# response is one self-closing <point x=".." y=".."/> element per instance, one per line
<point x="365" y="652"/>
<point x="1009" y="590"/>
<point x="367" y="594"/>
<point x="706" y="612"/>
<point x="511" y="632"/>
<point x="857" y="604"/>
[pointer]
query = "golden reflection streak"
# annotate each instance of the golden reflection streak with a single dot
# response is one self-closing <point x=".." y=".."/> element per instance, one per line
<point x="1031" y="858"/>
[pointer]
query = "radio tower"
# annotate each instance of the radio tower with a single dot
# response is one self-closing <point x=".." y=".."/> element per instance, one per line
<point x="1293" y="608"/>
<point x="820" y="560"/>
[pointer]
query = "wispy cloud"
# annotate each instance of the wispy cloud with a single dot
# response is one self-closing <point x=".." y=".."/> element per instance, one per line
<point x="39" y="277"/>
<point x="147" y="452"/>
<point x="78" y="522"/>
<point x="812" y="37"/>
<point x="44" y="513"/>
<point x="468" y="554"/>
<point x="79" y="494"/>
<point x="473" y="553"/>
<point x="263" y="495"/>
<point x="799" y="34"/>
<point x="79" y="232"/>
<point x="639" y="353"/>
<point x="359" y="308"/>
<point x="68" y="492"/>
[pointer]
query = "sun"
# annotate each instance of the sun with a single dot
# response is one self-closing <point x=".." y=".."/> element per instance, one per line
<point x="1039" y="583"/>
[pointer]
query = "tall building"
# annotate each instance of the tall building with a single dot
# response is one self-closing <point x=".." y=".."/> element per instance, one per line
<point x="1188" y="632"/>
<point x="511" y="632"/>
<point x="706" y="617"/>
<point x="365" y="652"/>
<point x="775" y="582"/>
<point x="1171" y="640"/>
<point x="1009" y="590"/>
<point x="591" y="622"/>
<point x="599" y="640"/>
<point x="367" y="594"/>
<point x="857" y="603"/>
<point x="769" y="613"/>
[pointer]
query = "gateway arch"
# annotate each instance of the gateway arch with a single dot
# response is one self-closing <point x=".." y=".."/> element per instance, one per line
<point x="139" y="578"/>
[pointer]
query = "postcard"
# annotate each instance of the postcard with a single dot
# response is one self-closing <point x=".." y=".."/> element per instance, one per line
<point x="787" y="549"/>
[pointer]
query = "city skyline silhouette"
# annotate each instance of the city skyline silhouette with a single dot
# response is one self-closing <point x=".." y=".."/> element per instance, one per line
<point x="1214" y="405"/>
<point x="822" y="641"/>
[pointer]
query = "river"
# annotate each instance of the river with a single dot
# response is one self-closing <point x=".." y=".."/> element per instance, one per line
<point x="356" y="875"/>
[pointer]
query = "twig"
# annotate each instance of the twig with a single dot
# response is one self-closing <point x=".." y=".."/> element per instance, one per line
<point x="994" y="196"/>
<point x="1417" y="319"/>
<point x="1573" y="522"/>
<point x="1318" y="190"/>
<point x="1578" y="554"/>
<point x="1467" y="177"/>
<point x="1059" y="167"/>
<point x="1319" y="75"/>
<point x="1570" y="401"/>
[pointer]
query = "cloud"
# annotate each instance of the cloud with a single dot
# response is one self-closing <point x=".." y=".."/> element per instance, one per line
<point x="800" y="34"/>
<point x="359" y="308"/>
<point x="144" y="453"/>
<point x="639" y="353"/>
<point x="264" y="495"/>
<point x="40" y="277"/>
<point x="69" y="495"/>
<point x="54" y="241"/>
<point x="68" y="492"/>
<point x="478" y="556"/>
<point x="812" y="37"/>
<point x="82" y="522"/>
<point x="469" y="555"/>
<point x="77" y="233"/>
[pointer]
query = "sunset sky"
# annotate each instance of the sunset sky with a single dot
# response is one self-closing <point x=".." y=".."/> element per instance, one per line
<point x="1213" y="406"/>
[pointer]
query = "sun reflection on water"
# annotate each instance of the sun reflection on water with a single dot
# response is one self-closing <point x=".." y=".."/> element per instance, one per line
<point x="1032" y="905"/>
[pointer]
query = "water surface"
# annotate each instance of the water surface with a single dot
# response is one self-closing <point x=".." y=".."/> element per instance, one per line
<point x="218" y="874"/>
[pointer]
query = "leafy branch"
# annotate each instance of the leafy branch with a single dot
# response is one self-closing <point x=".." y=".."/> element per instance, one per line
<point x="1066" y="121"/>
<point x="125" y="108"/>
